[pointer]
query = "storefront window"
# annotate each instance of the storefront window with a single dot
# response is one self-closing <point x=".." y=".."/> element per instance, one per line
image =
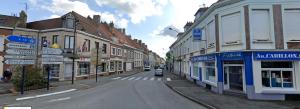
<point x="195" y="70"/>
<point x="210" y="74"/>
<point x="84" y="68"/>
<point x="277" y="74"/>
<point x="54" y="71"/>
<point x="119" y="65"/>
<point x="112" y="66"/>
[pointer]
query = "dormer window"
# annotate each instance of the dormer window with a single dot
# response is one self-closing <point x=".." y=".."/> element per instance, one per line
<point x="69" y="21"/>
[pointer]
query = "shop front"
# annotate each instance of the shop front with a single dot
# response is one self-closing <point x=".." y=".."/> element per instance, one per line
<point x="203" y="70"/>
<point x="276" y="75"/>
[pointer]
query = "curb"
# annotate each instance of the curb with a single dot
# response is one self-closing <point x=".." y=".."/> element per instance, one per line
<point x="191" y="98"/>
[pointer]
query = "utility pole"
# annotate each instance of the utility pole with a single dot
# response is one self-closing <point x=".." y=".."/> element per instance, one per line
<point x="97" y="62"/>
<point x="74" y="49"/>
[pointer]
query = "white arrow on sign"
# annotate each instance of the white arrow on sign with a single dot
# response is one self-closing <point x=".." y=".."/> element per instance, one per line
<point x="52" y="62"/>
<point x="20" y="61"/>
<point x="51" y="51"/>
<point x="19" y="46"/>
<point x="20" y="52"/>
<point x="19" y="57"/>
<point x="52" y="56"/>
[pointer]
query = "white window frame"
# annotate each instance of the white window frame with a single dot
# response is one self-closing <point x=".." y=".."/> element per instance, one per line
<point x="214" y="83"/>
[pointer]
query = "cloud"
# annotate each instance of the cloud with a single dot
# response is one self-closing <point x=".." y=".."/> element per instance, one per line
<point x="54" y="16"/>
<point x="61" y="7"/>
<point x="137" y="10"/>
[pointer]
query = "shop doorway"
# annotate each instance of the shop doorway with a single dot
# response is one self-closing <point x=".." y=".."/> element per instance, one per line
<point x="68" y="71"/>
<point x="234" y="76"/>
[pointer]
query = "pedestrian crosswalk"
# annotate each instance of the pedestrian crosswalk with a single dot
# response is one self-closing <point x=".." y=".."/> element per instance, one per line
<point x="136" y="78"/>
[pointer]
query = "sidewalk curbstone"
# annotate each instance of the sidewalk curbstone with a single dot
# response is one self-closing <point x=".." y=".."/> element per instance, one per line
<point x="191" y="98"/>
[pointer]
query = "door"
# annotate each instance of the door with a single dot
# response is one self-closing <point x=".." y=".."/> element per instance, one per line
<point x="234" y="77"/>
<point x="68" y="71"/>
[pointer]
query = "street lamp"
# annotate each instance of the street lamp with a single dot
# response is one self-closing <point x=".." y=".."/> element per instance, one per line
<point x="179" y="51"/>
<point x="74" y="49"/>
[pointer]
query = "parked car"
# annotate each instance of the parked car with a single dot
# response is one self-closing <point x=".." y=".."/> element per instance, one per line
<point x="158" y="72"/>
<point x="147" y="68"/>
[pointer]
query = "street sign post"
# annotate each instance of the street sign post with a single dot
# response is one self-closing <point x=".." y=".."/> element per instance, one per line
<point x="19" y="46"/>
<point x="20" y="52"/>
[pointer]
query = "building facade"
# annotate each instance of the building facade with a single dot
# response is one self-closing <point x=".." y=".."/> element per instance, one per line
<point x="248" y="47"/>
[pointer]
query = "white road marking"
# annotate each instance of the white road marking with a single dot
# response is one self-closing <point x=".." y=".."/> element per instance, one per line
<point x="159" y="79"/>
<point x="152" y="79"/>
<point x="59" y="99"/>
<point x="116" y="78"/>
<point x="168" y="79"/>
<point x="131" y="78"/>
<point x="44" y="95"/>
<point x="145" y="78"/>
<point x="124" y="78"/>
<point x="138" y="78"/>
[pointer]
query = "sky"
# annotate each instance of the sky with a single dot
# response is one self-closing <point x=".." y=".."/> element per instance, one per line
<point x="148" y="20"/>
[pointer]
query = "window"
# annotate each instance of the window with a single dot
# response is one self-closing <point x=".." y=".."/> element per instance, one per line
<point x="210" y="74"/>
<point x="44" y="42"/>
<point x="291" y="23"/>
<point x="54" y="71"/>
<point x="84" y="68"/>
<point x="277" y="74"/>
<point x="104" y="50"/>
<point x="112" y="66"/>
<point x="86" y="47"/>
<point x="211" y="34"/>
<point x="96" y="45"/>
<point x="113" y="51"/>
<point x="119" y="65"/>
<point x="260" y="17"/>
<point x="195" y="71"/>
<point x="69" y="42"/>
<point x="231" y="35"/>
<point x="119" y="52"/>
<point x="54" y="39"/>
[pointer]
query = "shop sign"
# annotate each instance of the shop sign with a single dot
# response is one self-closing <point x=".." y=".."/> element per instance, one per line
<point x="197" y="34"/>
<point x="21" y="39"/>
<point x="53" y="51"/>
<point x="232" y="56"/>
<point x="277" y="55"/>
<point x="203" y="58"/>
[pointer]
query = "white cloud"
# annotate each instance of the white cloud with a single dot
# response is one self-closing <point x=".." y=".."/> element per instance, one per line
<point x="54" y="16"/>
<point x="137" y="10"/>
<point x="61" y="7"/>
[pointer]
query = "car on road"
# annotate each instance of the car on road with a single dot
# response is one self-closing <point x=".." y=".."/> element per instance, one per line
<point x="147" y="68"/>
<point x="158" y="72"/>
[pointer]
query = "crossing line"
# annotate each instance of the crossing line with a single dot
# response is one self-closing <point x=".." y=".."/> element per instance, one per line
<point x="145" y="78"/>
<point x="124" y="78"/>
<point x="152" y="79"/>
<point x="138" y="78"/>
<point x="116" y="78"/>
<point x="159" y="79"/>
<point x="131" y="78"/>
<point x="168" y="79"/>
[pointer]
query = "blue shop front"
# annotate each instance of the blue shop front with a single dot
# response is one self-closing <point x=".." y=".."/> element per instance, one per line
<point x="258" y="75"/>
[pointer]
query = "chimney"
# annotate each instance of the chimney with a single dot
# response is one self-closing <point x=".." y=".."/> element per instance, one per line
<point x="123" y="31"/>
<point x="96" y="18"/>
<point x="135" y="40"/>
<point x="129" y="36"/>
<point x="188" y="25"/>
<point x="140" y="42"/>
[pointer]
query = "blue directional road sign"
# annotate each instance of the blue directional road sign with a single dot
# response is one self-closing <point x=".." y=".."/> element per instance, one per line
<point x="21" y="39"/>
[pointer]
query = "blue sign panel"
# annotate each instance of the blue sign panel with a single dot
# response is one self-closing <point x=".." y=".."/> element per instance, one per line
<point x="203" y="58"/>
<point x="21" y="39"/>
<point x="277" y="55"/>
<point x="232" y="56"/>
<point x="197" y="34"/>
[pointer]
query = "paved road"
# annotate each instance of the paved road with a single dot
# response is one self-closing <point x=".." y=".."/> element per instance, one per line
<point x="140" y="91"/>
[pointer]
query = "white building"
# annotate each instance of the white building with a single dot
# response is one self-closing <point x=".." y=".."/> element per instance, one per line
<point x="250" y="47"/>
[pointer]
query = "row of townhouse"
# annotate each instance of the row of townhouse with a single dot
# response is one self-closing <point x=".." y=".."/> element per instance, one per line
<point x="79" y="38"/>
<point x="246" y="47"/>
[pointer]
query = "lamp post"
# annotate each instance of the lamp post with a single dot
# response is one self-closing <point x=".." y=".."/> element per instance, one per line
<point x="74" y="49"/>
<point x="179" y="51"/>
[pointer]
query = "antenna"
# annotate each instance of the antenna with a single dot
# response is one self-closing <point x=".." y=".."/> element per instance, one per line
<point x="204" y="5"/>
<point x="26" y="7"/>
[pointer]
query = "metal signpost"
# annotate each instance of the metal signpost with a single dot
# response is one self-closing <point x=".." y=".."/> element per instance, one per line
<point x="51" y="56"/>
<point x="20" y="52"/>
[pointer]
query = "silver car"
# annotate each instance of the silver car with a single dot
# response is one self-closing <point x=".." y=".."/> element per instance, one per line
<point x="158" y="72"/>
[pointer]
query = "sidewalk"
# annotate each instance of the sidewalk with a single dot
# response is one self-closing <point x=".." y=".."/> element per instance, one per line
<point x="79" y="84"/>
<point x="216" y="101"/>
